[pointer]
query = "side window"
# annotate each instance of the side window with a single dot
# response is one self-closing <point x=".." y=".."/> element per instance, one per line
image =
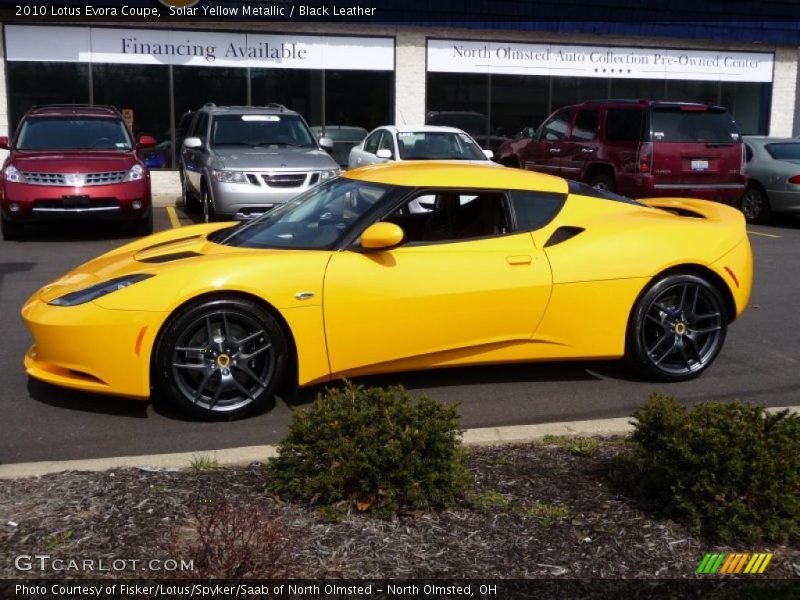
<point x="200" y="126"/>
<point x="386" y="143"/>
<point x="536" y="209"/>
<point x="624" y="125"/>
<point x="555" y="129"/>
<point x="371" y="145"/>
<point x="450" y="216"/>
<point x="585" y="126"/>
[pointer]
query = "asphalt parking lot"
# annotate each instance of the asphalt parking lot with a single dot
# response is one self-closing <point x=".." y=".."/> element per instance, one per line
<point x="760" y="363"/>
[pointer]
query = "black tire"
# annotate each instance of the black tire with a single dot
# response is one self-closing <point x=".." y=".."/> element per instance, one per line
<point x="189" y="200"/>
<point x="602" y="181"/>
<point x="209" y="214"/>
<point x="677" y="328"/>
<point x="511" y="162"/>
<point x="12" y="230"/>
<point x="237" y="360"/>
<point x="754" y="205"/>
<point x="144" y="226"/>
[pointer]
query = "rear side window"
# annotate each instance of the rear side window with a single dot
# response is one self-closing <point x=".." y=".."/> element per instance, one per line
<point x="535" y="209"/>
<point x="784" y="150"/>
<point x="556" y="128"/>
<point x="585" y="126"/>
<point x="676" y="124"/>
<point x="624" y="125"/>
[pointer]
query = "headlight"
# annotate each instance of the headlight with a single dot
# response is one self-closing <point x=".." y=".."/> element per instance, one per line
<point x="229" y="176"/>
<point x="98" y="290"/>
<point x="13" y="175"/>
<point x="325" y="175"/>
<point x="135" y="174"/>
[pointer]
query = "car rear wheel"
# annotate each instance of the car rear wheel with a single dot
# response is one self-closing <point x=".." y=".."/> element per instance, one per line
<point x="754" y="204"/>
<point x="602" y="181"/>
<point x="677" y="328"/>
<point x="221" y="359"/>
<point x="12" y="230"/>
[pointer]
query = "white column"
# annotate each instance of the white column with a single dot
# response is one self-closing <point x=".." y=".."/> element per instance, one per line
<point x="409" y="91"/>
<point x="784" y="92"/>
<point x="3" y="91"/>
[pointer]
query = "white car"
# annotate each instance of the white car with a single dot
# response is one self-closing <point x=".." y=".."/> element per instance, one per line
<point x="416" y="142"/>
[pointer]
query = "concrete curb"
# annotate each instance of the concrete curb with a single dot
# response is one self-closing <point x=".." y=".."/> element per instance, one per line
<point x="514" y="434"/>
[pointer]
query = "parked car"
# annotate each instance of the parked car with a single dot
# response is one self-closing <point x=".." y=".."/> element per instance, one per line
<point x="639" y="148"/>
<point x="474" y="123"/>
<point x="510" y="266"/>
<point x="773" y="172"/>
<point x="416" y="142"/>
<point x="240" y="161"/>
<point x="344" y="138"/>
<point x="74" y="161"/>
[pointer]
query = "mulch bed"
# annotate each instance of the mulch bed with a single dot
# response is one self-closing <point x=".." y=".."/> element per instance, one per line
<point x="539" y="512"/>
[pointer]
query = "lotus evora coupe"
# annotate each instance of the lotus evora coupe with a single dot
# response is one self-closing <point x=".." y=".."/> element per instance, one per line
<point x="397" y="267"/>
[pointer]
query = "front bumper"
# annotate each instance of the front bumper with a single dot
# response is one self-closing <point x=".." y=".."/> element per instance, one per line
<point x="247" y="200"/>
<point x="73" y="348"/>
<point x="55" y="203"/>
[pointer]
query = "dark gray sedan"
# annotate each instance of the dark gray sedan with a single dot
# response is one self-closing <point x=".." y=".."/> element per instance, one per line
<point x="773" y="170"/>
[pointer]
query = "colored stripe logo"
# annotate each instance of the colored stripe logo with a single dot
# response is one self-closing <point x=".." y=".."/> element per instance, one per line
<point x="735" y="563"/>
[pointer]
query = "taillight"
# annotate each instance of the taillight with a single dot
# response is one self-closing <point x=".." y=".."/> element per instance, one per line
<point x="644" y="161"/>
<point x="795" y="179"/>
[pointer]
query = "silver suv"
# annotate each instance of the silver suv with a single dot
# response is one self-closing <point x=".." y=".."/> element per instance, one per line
<point x="240" y="161"/>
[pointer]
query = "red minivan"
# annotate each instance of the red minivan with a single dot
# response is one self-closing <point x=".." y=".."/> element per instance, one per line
<point x="74" y="161"/>
<point x="638" y="148"/>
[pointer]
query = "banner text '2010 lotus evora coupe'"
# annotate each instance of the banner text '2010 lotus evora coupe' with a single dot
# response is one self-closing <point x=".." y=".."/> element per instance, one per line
<point x="397" y="267"/>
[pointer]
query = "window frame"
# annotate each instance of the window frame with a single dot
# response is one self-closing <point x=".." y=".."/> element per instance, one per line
<point x="568" y="111"/>
<point x="377" y="134"/>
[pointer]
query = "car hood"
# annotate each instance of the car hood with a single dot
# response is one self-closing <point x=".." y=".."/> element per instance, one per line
<point x="189" y="263"/>
<point x="289" y="159"/>
<point x="72" y="162"/>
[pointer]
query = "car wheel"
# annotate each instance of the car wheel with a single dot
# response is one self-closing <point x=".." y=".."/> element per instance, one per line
<point x="209" y="215"/>
<point x="190" y="203"/>
<point x="12" y="230"/>
<point x="144" y="226"/>
<point x="602" y="181"/>
<point x="754" y="204"/>
<point x="677" y="328"/>
<point x="221" y="359"/>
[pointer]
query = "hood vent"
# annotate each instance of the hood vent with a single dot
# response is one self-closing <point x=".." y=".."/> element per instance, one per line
<point x="169" y="257"/>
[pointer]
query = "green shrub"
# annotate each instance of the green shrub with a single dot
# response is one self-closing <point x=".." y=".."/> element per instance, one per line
<point x="371" y="449"/>
<point x="731" y="471"/>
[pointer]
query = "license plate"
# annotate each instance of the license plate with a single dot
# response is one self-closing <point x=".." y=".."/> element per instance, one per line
<point x="699" y="165"/>
<point x="76" y="201"/>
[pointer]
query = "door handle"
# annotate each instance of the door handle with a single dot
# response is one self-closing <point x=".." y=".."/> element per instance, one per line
<point x="520" y="259"/>
<point x="587" y="150"/>
<point x="555" y="150"/>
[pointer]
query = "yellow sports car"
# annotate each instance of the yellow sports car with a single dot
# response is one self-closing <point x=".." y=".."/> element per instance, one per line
<point x="397" y="267"/>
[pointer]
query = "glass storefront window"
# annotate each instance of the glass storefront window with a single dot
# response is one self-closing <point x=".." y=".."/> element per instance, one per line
<point x="32" y="83"/>
<point x="131" y="89"/>
<point x="636" y="89"/>
<point x="749" y="105"/>
<point x="297" y="89"/>
<point x="195" y="86"/>
<point x="705" y="92"/>
<point x="572" y="90"/>
<point x="518" y="101"/>
<point x="358" y="98"/>
<point x="459" y="100"/>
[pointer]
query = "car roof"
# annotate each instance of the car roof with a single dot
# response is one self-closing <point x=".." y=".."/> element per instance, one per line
<point x="765" y="139"/>
<point x="457" y="174"/>
<point x="421" y="129"/>
<point x="73" y="110"/>
<point x="645" y="102"/>
<point x="273" y="108"/>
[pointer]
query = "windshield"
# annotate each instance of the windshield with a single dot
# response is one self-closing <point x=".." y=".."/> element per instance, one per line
<point x="784" y="151"/>
<point x="314" y="220"/>
<point x="438" y="145"/>
<point x="260" y="130"/>
<point x="73" y="133"/>
<point x="710" y="126"/>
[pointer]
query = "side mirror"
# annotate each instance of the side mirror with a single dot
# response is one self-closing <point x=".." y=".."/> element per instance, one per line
<point x="382" y="236"/>
<point x="147" y="141"/>
<point x="326" y="143"/>
<point x="193" y="143"/>
<point x="384" y="153"/>
<point x="488" y="154"/>
<point x="4" y="142"/>
<point x="529" y="132"/>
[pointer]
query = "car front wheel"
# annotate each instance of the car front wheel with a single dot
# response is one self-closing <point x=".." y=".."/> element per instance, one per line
<point x="11" y="229"/>
<point x="677" y="328"/>
<point x="221" y="359"/>
<point x="209" y="216"/>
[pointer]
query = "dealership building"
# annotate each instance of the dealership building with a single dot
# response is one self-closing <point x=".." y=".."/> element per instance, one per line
<point x="492" y="78"/>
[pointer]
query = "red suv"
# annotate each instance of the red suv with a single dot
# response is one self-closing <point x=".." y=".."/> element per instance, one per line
<point x="71" y="161"/>
<point x="639" y="148"/>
